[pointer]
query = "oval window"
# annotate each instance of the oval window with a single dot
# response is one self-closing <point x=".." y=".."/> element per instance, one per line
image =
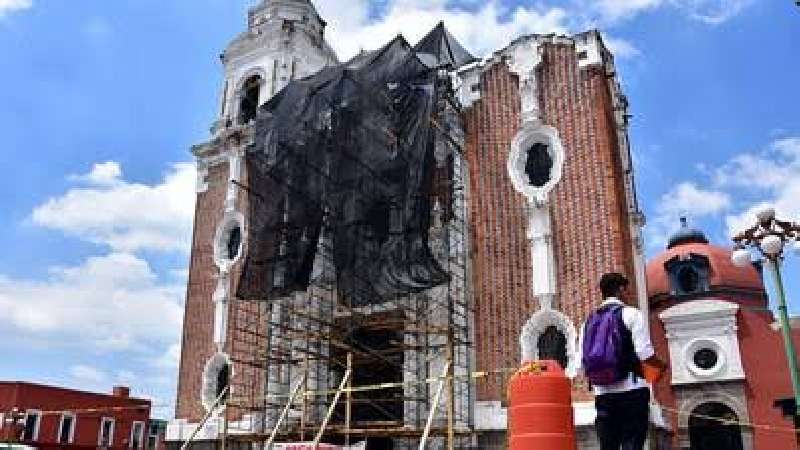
<point x="234" y="242"/>
<point x="538" y="165"/>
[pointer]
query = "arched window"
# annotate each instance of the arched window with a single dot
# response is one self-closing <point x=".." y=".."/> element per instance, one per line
<point x="553" y="346"/>
<point x="714" y="426"/>
<point x="250" y="94"/>
<point x="688" y="276"/>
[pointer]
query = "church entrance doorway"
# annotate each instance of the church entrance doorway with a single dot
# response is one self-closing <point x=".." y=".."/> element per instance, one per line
<point x="714" y="426"/>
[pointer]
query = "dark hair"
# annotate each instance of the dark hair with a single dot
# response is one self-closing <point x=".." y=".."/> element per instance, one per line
<point x="611" y="283"/>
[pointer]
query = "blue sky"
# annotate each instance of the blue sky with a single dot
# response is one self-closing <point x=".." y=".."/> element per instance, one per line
<point x="100" y="101"/>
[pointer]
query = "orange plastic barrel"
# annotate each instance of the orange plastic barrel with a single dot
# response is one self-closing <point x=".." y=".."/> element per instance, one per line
<point x="540" y="415"/>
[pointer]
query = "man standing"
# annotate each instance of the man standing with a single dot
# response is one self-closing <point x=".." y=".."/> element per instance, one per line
<point x="614" y="344"/>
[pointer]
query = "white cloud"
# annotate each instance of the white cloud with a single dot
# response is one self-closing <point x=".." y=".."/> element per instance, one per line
<point x="9" y="6"/>
<point x="775" y="173"/>
<point x="737" y="190"/>
<point x="684" y="200"/>
<point x="487" y="29"/>
<point x="748" y="170"/>
<point x="109" y="303"/>
<point x="688" y="198"/>
<point x="614" y="10"/>
<point x="102" y="174"/>
<point x="620" y="48"/>
<point x="712" y="12"/>
<point x="789" y="147"/>
<point x="123" y="215"/>
<point x="88" y="374"/>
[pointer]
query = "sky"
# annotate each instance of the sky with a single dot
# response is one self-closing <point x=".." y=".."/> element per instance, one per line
<point x="101" y="100"/>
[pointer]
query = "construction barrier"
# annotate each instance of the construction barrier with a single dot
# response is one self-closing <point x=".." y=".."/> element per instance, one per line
<point x="540" y="415"/>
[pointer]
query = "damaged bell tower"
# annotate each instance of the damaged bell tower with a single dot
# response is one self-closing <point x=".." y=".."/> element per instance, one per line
<point x="330" y="245"/>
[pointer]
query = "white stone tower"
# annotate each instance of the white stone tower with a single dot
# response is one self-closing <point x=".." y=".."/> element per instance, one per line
<point x="284" y="41"/>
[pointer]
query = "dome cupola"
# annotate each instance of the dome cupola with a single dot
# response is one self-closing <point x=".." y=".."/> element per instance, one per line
<point x="691" y="268"/>
<point x="686" y="235"/>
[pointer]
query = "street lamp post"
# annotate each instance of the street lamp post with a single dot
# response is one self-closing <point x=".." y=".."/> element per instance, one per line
<point x="769" y="237"/>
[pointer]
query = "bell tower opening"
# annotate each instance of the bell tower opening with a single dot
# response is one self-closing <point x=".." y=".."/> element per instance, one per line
<point x="251" y="93"/>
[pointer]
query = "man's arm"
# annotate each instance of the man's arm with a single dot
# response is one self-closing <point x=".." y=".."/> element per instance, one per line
<point x="641" y="339"/>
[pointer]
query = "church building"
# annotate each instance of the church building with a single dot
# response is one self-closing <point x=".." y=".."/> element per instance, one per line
<point x="410" y="216"/>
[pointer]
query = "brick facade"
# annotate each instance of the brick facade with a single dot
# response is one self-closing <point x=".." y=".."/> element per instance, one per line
<point x="590" y="212"/>
<point x="198" y="326"/>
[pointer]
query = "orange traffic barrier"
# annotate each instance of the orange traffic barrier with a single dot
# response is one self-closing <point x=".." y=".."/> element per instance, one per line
<point x="540" y="415"/>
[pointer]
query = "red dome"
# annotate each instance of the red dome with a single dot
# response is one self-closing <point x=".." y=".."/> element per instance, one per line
<point x="723" y="272"/>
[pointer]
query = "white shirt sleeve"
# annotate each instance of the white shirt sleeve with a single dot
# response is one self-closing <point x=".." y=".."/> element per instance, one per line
<point x="635" y="322"/>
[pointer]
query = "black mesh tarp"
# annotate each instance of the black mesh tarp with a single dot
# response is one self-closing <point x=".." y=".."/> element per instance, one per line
<point x="343" y="168"/>
<point x="440" y="47"/>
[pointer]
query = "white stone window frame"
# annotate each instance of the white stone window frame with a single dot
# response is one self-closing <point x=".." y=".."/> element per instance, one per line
<point x="71" y="436"/>
<point x="530" y="134"/>
<point x="208" y="393"/>
<point x="737" y="405"/>
<point x="539" y="322"/>
<point x="229" y="222"/>
<point x="36" y="427"/>
<point x="694" y="324"/>
<point x="698" y="344"/>
<point x="100" y="440"/>
<point x="133" y="434"/>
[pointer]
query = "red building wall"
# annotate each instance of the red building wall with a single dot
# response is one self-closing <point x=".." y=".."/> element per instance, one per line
<point x="760" y="342"/>
<point x="766" y="369"/>
<point x="89" y="409"/>
<point x="768" y="377"/>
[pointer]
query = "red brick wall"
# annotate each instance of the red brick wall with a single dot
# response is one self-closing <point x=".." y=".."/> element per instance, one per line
<point x="589" y="211"/>
<point x="89" y="409"/>
<point x="198" y="332"/>
<point x="198" y="322"/>
<point x="501" y="260"/>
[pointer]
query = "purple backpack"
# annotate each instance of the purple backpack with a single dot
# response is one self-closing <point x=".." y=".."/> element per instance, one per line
<point x="608" y="354"/>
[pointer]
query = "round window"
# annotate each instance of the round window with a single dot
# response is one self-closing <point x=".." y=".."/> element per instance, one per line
<point x="705" y="358"/>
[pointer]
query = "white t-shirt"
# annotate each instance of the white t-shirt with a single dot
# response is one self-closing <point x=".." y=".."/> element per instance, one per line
<point x="635" y="322"/>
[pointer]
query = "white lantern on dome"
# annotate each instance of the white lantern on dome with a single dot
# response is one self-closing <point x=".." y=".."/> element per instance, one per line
<point x="741" y="258"/>
<point x="772" y="245"/>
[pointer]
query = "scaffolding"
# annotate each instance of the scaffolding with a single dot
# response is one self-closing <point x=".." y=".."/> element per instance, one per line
<point x="338" y="359"/>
